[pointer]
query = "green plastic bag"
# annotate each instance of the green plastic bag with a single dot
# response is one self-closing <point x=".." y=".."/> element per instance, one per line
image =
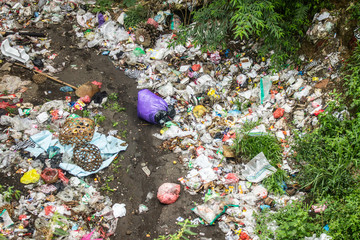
<point x="138" y="52"/>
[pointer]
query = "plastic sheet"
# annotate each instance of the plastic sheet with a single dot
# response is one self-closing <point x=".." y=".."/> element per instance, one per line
<point x="258" y="169"/>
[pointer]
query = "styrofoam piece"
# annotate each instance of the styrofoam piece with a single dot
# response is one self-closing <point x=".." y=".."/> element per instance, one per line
<point x="19" y="55"/>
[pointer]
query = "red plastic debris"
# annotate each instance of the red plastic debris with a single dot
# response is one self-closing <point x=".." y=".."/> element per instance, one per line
<point x="279" y="113"/>
<point x="23" y="217"/>
<point x="50" y="175"/>
<point x="86" y="99"/>
<point x="199" y="150"/>
<point x="316" y="113"/>
<point x="62" y="177"/>
<point x="97" y="83"/>
<point x="231" y="178"/>
<point x="55" y="115"/>
<point x="49" y="209"/>
<point x="244" y="236"/>
<point x="196" y="67"/>
<point x="168" y="193"/>
<point x="228" y="136"/>
<point x="5" y="105"/>
<point x="152" y="22"/>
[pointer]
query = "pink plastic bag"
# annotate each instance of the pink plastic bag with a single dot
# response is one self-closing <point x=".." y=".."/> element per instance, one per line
<point x="168" y="193"/>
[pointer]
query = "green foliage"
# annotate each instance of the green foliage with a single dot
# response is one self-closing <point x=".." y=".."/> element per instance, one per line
<point x="211" y="26"/>
<point x="124" y="134"/>
<point x="352" y="79"/>
<point x="273" y="182"/>
<point x="102" y="6"/>
<point x="185" y="230"/>
<point x="59" y="220"/>
<point x="135" y="16"/>
<point x="279" y="24"/>
<point x="116" y="107"/>
<point x="99" y="118"/>
<point x="355" y="10"/>
<point x="109" y="178"/>
<point x="238" y="104"/>
<point x="255" y="17"/>
<point x="107" y="188"/>
<point x="9" y="194"/>
<point x="85" y="113"/>
<point x="293" y="222"/>
<point x="129" y="3"/>
<point x="329" y="158"/>
<point x="343" y="216"/>
<point x="330" y="154"/>
<point x="113" y="96"/>
<point x="116" y="164"/>
<point x="249" y="146"/>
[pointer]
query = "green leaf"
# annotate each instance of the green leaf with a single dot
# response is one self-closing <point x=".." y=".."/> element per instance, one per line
<point x="60" y="232"/>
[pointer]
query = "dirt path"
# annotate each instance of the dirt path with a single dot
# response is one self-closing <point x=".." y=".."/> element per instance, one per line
<point x="131" y="183"/>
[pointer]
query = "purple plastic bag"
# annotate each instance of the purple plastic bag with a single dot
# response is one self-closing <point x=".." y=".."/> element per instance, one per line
<point x="149" y="104"/>
<point x="101" y="19"/>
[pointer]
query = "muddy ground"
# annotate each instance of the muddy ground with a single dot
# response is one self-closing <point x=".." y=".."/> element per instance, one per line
<point x="131" y="183"/>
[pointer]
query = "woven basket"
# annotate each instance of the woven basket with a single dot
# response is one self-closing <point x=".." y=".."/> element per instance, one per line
<point x="87" y="157"/>
<point x="77" y="131"/>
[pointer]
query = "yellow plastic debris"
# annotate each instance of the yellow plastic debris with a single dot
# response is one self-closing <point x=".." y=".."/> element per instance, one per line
<point x="199" y="111"/>
<point x="30" y="177"/>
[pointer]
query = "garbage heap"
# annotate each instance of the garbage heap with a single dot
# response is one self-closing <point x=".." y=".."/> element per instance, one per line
<point x="37" y="152"/>
<point x="213" y="93"/>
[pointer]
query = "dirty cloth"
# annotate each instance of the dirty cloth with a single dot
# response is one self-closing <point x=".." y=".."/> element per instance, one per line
<point x="109" y="147"/>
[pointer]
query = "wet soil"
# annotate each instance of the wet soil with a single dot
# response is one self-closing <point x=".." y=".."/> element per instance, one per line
<point x="128" y="181"/>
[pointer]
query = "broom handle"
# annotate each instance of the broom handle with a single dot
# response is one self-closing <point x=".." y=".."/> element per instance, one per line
<point x="48" y="76"/>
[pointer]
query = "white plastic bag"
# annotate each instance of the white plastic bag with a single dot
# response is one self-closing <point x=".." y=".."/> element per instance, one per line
<point x="258" y="169"/>
<point x="119" y="210"/>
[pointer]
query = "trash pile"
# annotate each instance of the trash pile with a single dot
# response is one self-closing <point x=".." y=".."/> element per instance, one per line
<point x="200" y="99"/>
<point x="214" y="94"/>
<point x="50" y="149"/>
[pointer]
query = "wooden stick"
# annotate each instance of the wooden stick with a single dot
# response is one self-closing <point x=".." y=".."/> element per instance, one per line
<point x="48" y="76"/>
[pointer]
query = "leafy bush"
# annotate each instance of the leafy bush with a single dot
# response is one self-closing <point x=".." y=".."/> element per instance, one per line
<point x="135" y="16"/>
<point x="102" y="6"/>
<point x="129" y="3"/>
<point x="280" y="24"/>
<point x="293" y="222"/>
<point x="181" y="233"/>
<point x="329" y="155"/>
<point x="212" y="24"/>
<point x="9" y="194"/>
<point x="343" y="216"/>
<point x="352" y="79"/>
<point x="249" y="146"/>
